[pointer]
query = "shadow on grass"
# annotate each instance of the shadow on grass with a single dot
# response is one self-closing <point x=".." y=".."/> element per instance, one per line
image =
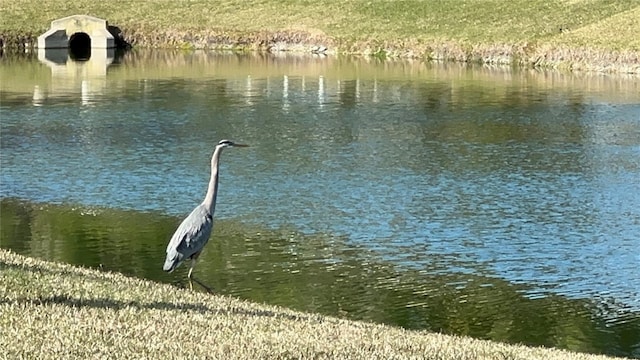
<point x="106" y="303"/>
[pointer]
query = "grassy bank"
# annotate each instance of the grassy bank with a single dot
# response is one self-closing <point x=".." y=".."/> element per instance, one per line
<point x="52" y="311"/>
<point x="596" y="35"/>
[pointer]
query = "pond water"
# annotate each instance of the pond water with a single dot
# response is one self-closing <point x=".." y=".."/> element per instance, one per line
<point x="480" y="201"/>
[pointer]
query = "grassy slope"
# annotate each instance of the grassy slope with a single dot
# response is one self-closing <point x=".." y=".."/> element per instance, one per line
<point x="458" y="29"/>
<point x="52" y="311"/>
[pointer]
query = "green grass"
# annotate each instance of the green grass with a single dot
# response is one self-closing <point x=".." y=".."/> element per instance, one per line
<point x="595" y="33"/>
<point x="53" y="311"/>
<point x="474" y="21"/>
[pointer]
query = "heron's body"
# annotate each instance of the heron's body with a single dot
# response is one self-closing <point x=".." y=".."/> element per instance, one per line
<point x="189" y="240"/>
<point x="194" y="231"/>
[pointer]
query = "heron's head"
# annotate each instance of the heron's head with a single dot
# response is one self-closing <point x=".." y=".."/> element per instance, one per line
<point x="229" y="143"/>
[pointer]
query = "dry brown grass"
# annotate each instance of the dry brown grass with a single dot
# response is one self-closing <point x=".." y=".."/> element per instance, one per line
<point x="54" y="311"/>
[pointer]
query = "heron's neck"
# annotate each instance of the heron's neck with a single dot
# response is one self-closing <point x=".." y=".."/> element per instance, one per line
<point x="212" y="192"/>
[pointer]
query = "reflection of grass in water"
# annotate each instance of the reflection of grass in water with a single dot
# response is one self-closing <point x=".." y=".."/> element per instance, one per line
<point x="352" y="283"/>
<point x="315" y="273"/>
<point x="446" y="82"/>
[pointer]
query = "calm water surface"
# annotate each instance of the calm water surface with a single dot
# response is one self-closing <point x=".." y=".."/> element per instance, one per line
<point x="495" y="203"/>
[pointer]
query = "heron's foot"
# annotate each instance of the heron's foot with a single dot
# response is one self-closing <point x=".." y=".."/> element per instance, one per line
<point x="192" y="279"/>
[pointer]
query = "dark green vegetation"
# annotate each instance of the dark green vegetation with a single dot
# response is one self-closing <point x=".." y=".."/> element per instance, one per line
<point x="577" y="34"/>
<point x="285" y="268"/>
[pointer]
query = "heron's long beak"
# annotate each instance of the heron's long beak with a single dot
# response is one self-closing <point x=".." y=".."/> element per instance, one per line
<point x="240" y="145"/>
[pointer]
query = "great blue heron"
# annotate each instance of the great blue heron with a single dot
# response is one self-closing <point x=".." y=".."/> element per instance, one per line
<point x="194" y="231"/>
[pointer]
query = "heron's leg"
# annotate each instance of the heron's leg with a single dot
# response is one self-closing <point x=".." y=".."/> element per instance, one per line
<point x="193" y="264"/>
<point x="192" y="279"/>
<point x="194" y="259"/>
<point x="189" y="276"/>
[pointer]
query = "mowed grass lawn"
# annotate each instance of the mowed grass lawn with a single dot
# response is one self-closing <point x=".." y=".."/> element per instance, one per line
<point x="57" y="311"/>
<point x="605" y="24"/>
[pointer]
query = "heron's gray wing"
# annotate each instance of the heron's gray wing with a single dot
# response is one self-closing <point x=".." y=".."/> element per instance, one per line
<point x="190" y="237"/>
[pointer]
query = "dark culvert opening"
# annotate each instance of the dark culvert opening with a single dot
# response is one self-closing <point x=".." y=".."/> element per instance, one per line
<point x="80" y="46"/>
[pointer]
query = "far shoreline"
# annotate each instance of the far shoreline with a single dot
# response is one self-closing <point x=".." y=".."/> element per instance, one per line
<point x="522" y="55"/>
